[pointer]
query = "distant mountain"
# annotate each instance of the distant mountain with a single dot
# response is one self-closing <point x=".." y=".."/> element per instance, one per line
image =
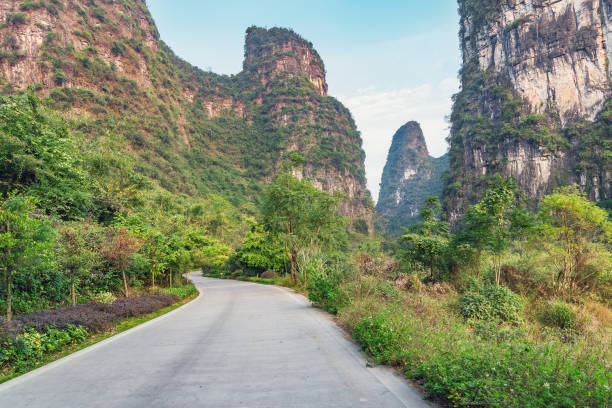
<point x="189" y="131"/>
<point x="409" y="177"/>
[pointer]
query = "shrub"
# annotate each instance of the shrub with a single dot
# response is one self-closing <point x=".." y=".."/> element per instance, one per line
<point x="491" y="302"/>
<point x="182" y="292"/>
<point x="558" y="314"/>
<point x="324" y="289"/>
<point x="95" y="317"/>
<point x="16" y="18"/>
<point x="25" y="350"/>
<point x="106" y="298"/>
<point x="138" y="306"/>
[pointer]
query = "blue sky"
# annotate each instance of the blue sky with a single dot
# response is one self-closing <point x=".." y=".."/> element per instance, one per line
<point x="388" y="61"/>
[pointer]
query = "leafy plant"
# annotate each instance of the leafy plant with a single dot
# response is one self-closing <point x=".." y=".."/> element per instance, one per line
<point x="491" y="302"/>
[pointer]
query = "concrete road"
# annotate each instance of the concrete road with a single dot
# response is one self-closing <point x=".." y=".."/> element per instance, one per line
<point x="237" y="345"/>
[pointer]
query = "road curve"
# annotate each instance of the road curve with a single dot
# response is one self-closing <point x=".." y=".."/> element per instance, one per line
<point x="237" y="345"/>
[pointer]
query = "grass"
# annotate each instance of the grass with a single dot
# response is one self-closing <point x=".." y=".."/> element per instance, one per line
<point x="122" y="326"/>
<point x="487" y="363"/>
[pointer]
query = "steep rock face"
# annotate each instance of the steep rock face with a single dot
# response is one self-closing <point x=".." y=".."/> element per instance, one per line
<point x="189" y="131"/>
<point x="409" y="177"/>
<point x="269" y="53"/>
<point x="533" y="103"/>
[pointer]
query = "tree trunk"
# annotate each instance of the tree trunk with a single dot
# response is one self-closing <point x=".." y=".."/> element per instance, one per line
<point x="125" y="285"/>
<point x="170" y="279"/>
<point x="72" y="291"/>
<point x="153" y="277"/>
<point x="294" y="262"/>
<point x="9" y="297"/>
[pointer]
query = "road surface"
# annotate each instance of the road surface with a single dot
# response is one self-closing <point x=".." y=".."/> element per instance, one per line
<point x="237" y="345"/>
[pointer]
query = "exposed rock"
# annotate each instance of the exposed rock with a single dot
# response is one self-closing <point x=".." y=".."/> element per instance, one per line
<point x="535" y="80"/>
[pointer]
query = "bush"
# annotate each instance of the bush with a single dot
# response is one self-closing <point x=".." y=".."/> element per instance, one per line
<point x="324" y="289"/>
<point x="16" y="18"/>
<point x="182" y="292"/>
<point x="378" y="338"/>
<point x="560" y="315"/>
<point x="106" y="298"/>
<point x="26" y="349"/>
<point x="491" y="302"/>
<point x="95" y="317"/>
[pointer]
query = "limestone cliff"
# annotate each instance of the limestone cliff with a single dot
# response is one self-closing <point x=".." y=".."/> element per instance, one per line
<point x="192" y="131"/>
<point x="409" y="177"/>
<point x="533" y="103"/>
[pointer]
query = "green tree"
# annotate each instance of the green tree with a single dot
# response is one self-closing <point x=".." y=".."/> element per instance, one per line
<point x="427" y="242"/>
<point x="494" y="222"/>
<point x="571" y="228"/>
<point x="260" y="252"/>
<point x="38" y="159"/>
<point x="75" y="256"/>
<point x="301" y="216"/>
<point x="22" y="236"/>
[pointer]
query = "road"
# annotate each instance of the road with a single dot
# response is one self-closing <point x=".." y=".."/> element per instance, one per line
<point x="238" y="344"/>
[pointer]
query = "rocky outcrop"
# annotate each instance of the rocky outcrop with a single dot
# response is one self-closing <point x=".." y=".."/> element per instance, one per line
<point x="277" y="51"/>
<point x="533" y="103"/>
<point x="409" y="177"/>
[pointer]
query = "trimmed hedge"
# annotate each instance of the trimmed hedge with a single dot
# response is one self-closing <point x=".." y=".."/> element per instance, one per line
<point x="95" y="317"/>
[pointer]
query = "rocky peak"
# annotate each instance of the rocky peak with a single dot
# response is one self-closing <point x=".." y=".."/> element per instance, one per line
<point x="276" y="51"/>
<point x="409" y="177"/>
<point x="409" y="139"/>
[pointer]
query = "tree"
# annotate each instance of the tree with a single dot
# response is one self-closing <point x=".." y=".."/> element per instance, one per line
<point x="74" y="255"/>
<point x="260" y="252"/>
<point x="121" y="246"/>
<point x="37" y="158"/>
<point x="21" y="236"/>
<point x="426" y="242"/>
<point x="300" y="215"/>
<point x="571" y="227"/>
<point x="494" y="222"/>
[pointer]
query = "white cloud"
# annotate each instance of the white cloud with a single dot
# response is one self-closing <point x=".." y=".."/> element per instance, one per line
<point x="379" y="113"/>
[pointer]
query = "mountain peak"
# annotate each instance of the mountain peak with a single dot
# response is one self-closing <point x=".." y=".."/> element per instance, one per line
<point x="410" y="138"/>
<point x="409" y="177"/>
<point x="271" y="52"/>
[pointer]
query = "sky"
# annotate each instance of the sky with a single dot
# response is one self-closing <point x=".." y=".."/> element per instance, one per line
<point x="388" y="61"/>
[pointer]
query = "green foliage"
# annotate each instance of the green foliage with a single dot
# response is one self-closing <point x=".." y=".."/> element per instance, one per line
<point x="558" y="314"/>
<point x="572" y="230"/>
<point x="23" y="352"/>
<point x="260" y="252"/>
<point x="300" y="215"/>
<point x="426" y="247"/>
<point x="324" y="287"/>
<point x="182" y="292"/>
<point x="37" y="158"/>
<point x="491" y="302"/>
<point x="22" y="239"/>
<point x="16" y="18"/>
<point x="495" y="221"/>
<point x="106" y="298"/>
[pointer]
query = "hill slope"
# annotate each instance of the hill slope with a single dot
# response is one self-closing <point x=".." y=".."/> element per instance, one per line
<point x="189" y="131"/>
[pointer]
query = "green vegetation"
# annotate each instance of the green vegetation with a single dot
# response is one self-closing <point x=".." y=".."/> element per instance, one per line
<point x="77" y="221"/>
<point x="512" y="309"/>
<point x="33" y="348"/>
